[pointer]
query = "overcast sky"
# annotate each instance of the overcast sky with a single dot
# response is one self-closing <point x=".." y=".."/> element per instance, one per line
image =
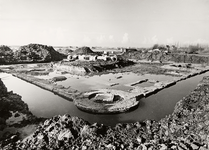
<point x="103" y="22"/>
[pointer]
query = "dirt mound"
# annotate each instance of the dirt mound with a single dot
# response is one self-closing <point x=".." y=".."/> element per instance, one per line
<point x="6" y="54"/>
<point x="83" y="51"/>
<point x="65" y="51"/>
<point x="5" y="50"/>
<point x="38" y="53"/>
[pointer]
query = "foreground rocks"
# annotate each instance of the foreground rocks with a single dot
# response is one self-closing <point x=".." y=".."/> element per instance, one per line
<point x="186" y="128"/>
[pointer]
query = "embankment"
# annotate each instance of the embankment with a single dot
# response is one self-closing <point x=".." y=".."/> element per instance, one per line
<point x="174" y="57"/>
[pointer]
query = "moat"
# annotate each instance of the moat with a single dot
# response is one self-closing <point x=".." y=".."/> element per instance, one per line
<point x="43" y="103"/>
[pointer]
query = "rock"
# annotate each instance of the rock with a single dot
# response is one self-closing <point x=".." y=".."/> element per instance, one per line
<point x="163" y="147"/>
<point x="194" y="146"/>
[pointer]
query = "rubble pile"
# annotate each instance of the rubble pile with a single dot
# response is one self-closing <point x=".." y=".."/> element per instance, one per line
<point x="6" y="55"/>
<point x="37" y="53"/>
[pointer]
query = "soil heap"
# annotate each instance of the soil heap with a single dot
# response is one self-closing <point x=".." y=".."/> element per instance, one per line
<point x="38" y="53"/>
<point x="84" y="51"/>
<point x="6" y="54"/>
<point x="65" y="51"/>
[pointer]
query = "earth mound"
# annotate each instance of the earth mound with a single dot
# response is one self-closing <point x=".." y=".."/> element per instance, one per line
<point x="65" y="51"/>
<point x="38" y="53"/>
<point x="6" y="54"/>
<point x="84" y="51"/>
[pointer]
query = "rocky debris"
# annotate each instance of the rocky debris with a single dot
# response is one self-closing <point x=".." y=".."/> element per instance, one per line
<point x="55" y="133"/>
<point x="37" y="53"/>
<point x="6" y="55"/>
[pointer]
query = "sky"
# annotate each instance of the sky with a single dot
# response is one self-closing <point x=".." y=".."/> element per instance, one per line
<point x="109" y="23"/>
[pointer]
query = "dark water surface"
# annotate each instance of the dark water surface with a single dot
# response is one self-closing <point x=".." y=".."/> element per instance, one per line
<point x="43" y="103"/>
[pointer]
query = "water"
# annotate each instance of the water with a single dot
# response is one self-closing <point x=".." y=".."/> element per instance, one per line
<point x="45" y="104"/>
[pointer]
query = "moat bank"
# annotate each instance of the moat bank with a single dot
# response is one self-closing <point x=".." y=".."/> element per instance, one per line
<point x="45" y="104"/>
